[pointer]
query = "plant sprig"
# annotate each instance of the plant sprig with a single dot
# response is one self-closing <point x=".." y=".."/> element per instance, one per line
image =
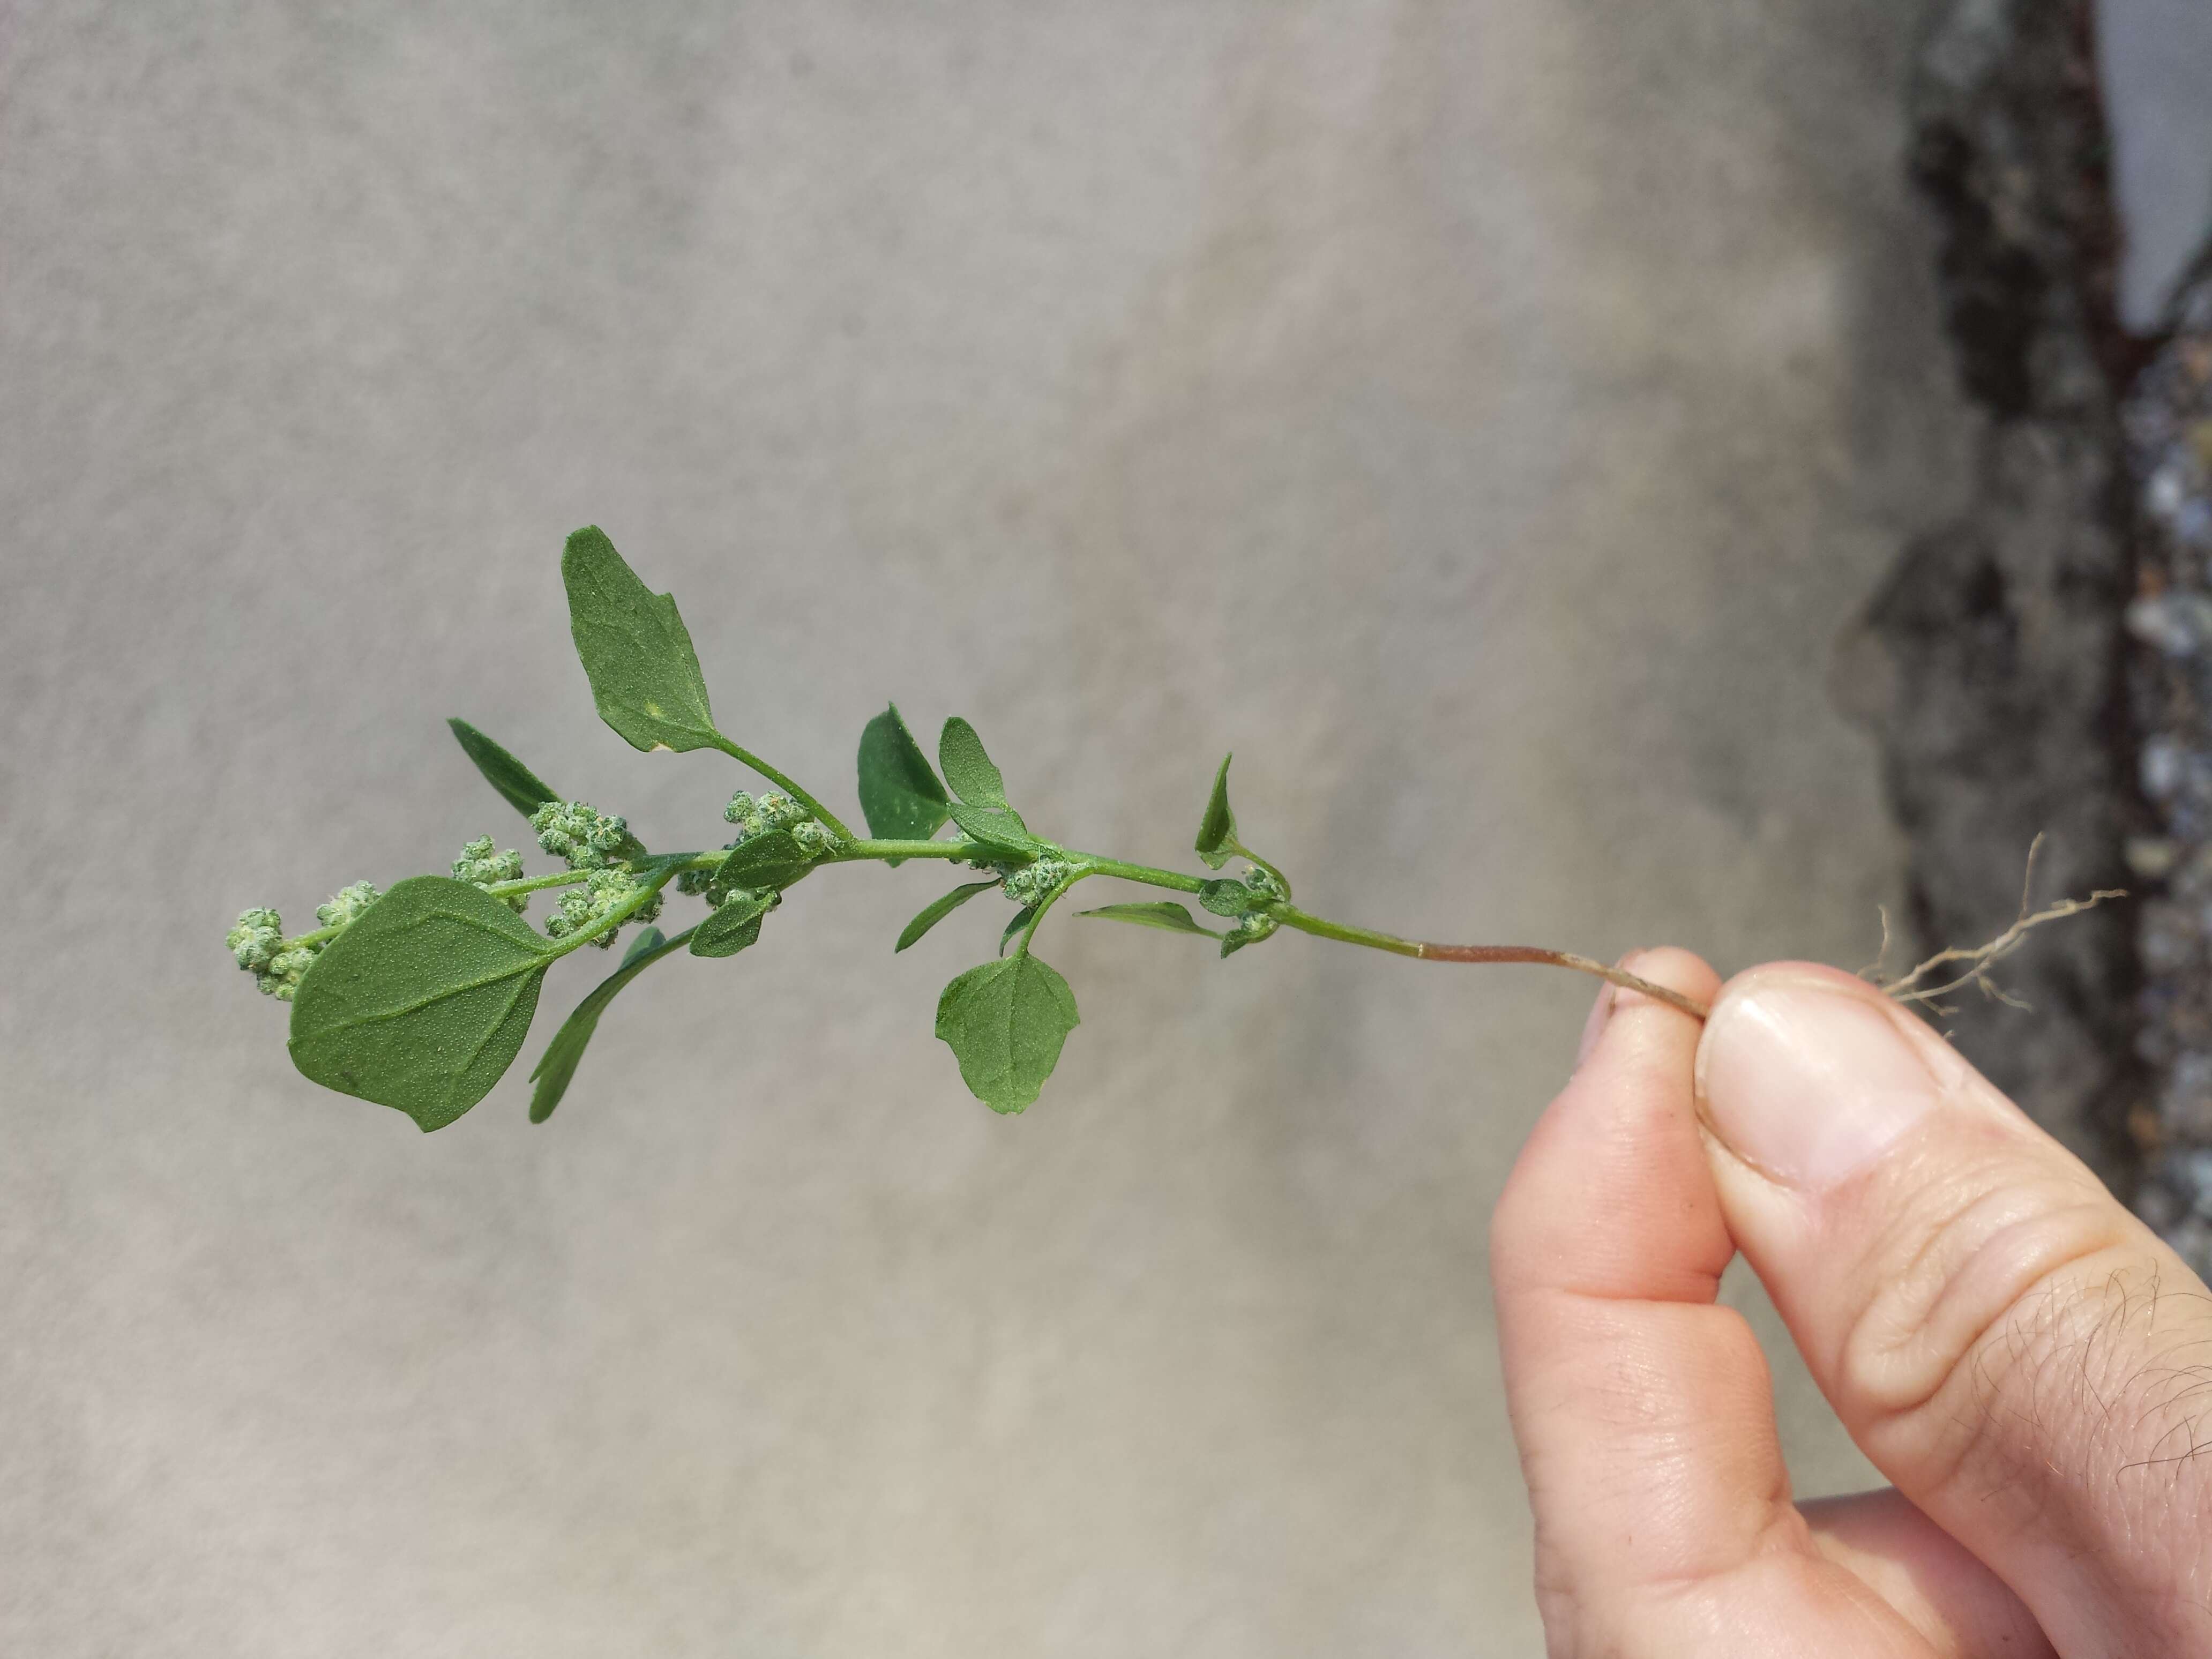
<point x="420" y="997"/>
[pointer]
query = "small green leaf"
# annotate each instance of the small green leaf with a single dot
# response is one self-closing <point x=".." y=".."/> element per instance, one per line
<point x="557" y="1066"/>
<point x="1226" y="897"/>
<point x="733" y="926"/>
<point x="771" y="861"/>
<point x="645" y="676"/>
<point x="1000" y="829"/>
<point x="938" y="911"/>
<point x="1164" y="912"/>
<point x="519" y="786"/>
<point x="1005" y="1022"/>
<point x="900" y="795"/>
<point x="1216" y="831"/>
<point x="1021" y="921"/>
<point x="1234" y="940"/>
<point x="423" y="1002"/>
<point x="967" y="767"/>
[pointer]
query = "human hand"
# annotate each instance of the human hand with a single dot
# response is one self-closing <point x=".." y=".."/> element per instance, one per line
<point x="2029" y="1364"/>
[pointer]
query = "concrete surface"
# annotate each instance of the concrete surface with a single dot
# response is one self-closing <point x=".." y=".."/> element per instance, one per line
<point x="1482" y="417"/>
<point x="2156" y="60"/>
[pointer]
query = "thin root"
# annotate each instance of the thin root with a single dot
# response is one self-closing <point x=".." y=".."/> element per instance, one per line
<point x="1978" y="960"/>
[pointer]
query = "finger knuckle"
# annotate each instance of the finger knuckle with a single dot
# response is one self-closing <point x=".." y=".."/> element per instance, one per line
<point x="1976" y="1323"/>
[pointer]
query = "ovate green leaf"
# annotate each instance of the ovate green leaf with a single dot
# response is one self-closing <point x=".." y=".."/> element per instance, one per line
<point x="645" y="676"/>
<point x="422" y="1003"/>
<point x="1164" y="912"/>
<point x="1005" y="1022"/>
<point x="774" y="861"/>
<point x="519" y="786"/>
<point x="938" y="911"/>
<point x="1226" y="897"/>
<point x="557" y="1066"/>
<point x="733" y="926"/>
<point x="1217" y="829"/>
<point x="967" y="767"/>
<point x="998" y="829"/>
<point x="900" y="795"/>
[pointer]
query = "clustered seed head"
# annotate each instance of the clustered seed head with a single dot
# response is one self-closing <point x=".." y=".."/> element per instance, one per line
<point x="346" y="904"/>
<point x="482" y="866"/>
<point x="257" y="941"/>
<point x="579" y="834"/>
<point x="253" y="941"/>
<point x="604" y="892"/>
<point x="814" y="838"/>
<point x="1250" y="930"/>
<point x="1263" y="882"/>
<point x="773" y="810"/>
<point x="1034" y="882"/>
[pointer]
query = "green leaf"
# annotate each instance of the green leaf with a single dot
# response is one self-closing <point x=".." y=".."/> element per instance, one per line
<point x="1233" y="942"/>
<point x="1000" y="829"/>
<point x="1216" y="831"/>
<point x="1226" y="897"/>
<point x="1164" y="912"/>
<point x="645" y="676"/>
<point x="967" y="767"/>
<point x="938" y="911"/>
<point x="1005" y="1022"/>
<point x="771" y="861"/>
<point x="521" y="788"/>
<point x="734" y="924"/>
<point x="1021" y="921"/>
<point x="900" y="795"/>
<point x="557" y="1066"/>
<point x="423" y="1002"/>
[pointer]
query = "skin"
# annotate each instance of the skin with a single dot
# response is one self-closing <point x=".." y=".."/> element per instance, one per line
<point x="2028" y="1365"/>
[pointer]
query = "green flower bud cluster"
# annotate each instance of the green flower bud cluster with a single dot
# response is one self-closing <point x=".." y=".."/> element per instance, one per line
<point x="254" y="940"/>
<point x="1248" y="930"/>
<point x="1263" y="882"/>
<point x="1034" y="882"/>
<point x="482" y="864"/>
<point x="604" y="892"/>
<point x="774" y="811"/>
<point x="346" y="904"/>
<point x="259" y="944"/>
<point x="579" y="834"/>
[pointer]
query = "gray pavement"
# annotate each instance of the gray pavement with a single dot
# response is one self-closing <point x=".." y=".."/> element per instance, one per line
<point x="2156" y="57"/>
<point x="1482" y="418"/>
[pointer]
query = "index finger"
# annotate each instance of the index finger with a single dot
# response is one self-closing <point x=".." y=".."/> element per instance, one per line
<point x="1643" y="1408"/>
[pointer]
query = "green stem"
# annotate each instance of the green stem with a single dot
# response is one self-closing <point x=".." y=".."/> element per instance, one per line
<point x="1093" y="864"/>
<point x="1045" y="905"/>
<point x="1291" y="916"/>
<point x="628" y="907"/>
<point x="855" y="850"/>
<point x="746" y="757"/>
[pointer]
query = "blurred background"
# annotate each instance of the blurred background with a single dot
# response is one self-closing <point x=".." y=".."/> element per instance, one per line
<point x="1483" y="417"/>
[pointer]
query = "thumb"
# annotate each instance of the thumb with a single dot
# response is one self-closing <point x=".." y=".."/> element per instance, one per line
<point x="2026" y="1361"/>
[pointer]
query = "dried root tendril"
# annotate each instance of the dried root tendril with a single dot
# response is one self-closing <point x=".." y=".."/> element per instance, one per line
<point x="1974" y="964"/>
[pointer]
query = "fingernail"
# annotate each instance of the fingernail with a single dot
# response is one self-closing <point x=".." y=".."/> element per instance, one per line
<point x="1593" y="1027"/>
<point x="1809" y="1082"/>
